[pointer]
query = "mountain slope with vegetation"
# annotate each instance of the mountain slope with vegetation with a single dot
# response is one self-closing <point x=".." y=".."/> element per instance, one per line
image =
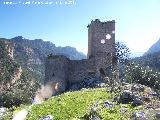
<point x="152" y="60"/>
<point x="8" y="67"/>
<point x="77" y="106"/>
<point x="154" y="48"/>
<point x="31" y="54"/>
<point x="16" y="86"/>
<point x="89" y="104"/>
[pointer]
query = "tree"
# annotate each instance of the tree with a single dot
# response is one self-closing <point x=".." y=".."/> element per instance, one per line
<point x="120" y="59"/>
<point x="122" y="53"/>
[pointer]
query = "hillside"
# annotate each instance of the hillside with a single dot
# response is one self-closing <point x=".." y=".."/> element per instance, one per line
<point x="154" y="48"/>
<point x="152" y="60"/>
<point x="16" y="86"/>
<point x="9" y="69"/>
<point x="31" y="54"/>
<point x="93" y="104"/>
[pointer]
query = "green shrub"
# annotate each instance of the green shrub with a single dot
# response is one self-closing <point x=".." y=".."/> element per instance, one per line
<point x="144" y="75"/>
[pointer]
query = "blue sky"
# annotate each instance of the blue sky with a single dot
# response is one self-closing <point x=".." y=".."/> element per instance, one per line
<point x="137" y="21"/>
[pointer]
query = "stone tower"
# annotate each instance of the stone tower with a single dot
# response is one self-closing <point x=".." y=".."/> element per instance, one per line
<point x="101" y="45"/>
<point x="101" y="38"/>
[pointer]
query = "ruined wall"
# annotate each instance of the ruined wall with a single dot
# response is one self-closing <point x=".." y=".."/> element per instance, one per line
<point x="80" y="69"/>
<point x="101" y="48"/>
<point x="69" y="71"/>
<point x="56" y="70"/>
<point x="74" y="71"/>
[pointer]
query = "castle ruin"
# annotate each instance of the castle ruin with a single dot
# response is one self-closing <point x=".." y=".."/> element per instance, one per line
<point x="101" y="48"/>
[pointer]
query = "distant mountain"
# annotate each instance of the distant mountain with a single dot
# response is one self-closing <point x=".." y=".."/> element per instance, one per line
<point x="46" y="47"/>
<point x="152" y="60"/>
<point x="154" y="48"/>
<point x="31" y="54"/>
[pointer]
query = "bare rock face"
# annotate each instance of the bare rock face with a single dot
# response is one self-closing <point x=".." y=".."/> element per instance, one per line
<point x="9" y="48"/>
<point x="16" y="75"/>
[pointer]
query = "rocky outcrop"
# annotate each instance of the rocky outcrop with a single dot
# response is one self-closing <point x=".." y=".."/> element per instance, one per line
<point x="9" y="48"/>
<point x="88" y="82"/>
<point x="138" y="94"/>
<point x="17" y="75"/>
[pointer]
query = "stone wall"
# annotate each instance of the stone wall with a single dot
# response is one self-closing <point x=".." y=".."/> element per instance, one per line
<point x="80" y="69"/>
<point x="57" y="67"/>
<point x="74" y="71"/>
<point x="64" y="71"/>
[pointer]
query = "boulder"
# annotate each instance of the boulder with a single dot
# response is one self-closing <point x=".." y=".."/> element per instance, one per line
<point x="138" y="116"/>
<point x="126" y="97"/>
<point x="48" y="117"/>
<point x="108" y="105"/>
<point x="157" y="115"/>
<point x="138" y="87"/>
<point x="123" y="110"/>
<point x="137" y="102"/>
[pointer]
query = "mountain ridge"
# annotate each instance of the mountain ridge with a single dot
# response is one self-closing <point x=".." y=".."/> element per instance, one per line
<point x="154" y="48"/>
<point x="31" y="54"/>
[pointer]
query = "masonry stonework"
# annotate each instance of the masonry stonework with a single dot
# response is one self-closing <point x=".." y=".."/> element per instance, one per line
<point x="101" y="48"/>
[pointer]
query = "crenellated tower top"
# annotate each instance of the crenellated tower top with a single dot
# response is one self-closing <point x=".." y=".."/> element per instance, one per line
<point x="101" y="37"/>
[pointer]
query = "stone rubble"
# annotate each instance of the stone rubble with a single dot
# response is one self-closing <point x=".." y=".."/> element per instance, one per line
<point x="138" y="116"/>
<point x="108" y="104"/>
<point x="48" y="117"/>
